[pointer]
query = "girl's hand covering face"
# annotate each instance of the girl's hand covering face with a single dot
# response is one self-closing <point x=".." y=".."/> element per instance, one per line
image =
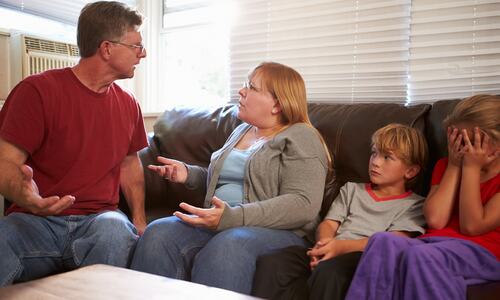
<point x="455" y="146"/>
<point x="478" y="151"/>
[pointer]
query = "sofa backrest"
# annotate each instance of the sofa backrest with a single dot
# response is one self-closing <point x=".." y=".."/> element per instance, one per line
<point x="347" y="130"/>
<point x="191" y="135"/>
<point x="435" y="134"/>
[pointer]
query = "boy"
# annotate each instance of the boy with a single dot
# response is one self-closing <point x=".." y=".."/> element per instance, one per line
<point x="398" y="154"/>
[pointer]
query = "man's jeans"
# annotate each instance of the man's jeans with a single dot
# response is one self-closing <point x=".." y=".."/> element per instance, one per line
<point x="223" y="259"/>
<point x="32" y="246"/>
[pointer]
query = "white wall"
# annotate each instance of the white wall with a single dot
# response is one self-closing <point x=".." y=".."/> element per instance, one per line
<point x="4" y="66"/>
<point x="4" y="80"/>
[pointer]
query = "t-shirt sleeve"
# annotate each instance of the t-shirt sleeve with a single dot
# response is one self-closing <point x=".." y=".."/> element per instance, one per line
<point x="340" y="206"/>
<point x="438" y="172"/>
<point x="412" y="220"/>
<point x="22" y="118"/>
<point x="139" y="139"/>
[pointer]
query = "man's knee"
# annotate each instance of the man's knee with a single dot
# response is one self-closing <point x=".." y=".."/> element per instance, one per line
<point x="113" y="227"/>
<point x="110" y="239"/>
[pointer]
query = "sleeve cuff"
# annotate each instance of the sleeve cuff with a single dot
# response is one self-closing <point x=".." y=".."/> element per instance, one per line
<point x="194" y="173"/>
<point x="231" y="217"/>
<point x="419" y="229"/>
<point x="337" y="218"/>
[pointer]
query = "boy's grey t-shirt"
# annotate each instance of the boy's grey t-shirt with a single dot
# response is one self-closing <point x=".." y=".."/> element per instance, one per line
<point x="361" y="213"/>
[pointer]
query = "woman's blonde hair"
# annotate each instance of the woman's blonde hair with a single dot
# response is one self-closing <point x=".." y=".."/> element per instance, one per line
<point x="288" y="88"/>
<point x="482" y="111"/>
<point x="407" y="143"/>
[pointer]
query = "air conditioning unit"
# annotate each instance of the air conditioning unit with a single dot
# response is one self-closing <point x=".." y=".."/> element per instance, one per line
<point x="31" y="55"/>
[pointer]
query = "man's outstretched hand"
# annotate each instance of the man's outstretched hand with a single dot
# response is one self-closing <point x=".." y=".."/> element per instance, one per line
<point x="31" y="199"/>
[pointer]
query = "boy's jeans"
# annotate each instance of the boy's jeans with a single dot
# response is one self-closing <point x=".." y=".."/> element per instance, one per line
<point x="32" y="246"/>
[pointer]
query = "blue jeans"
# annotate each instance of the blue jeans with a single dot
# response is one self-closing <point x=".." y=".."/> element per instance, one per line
<point x="226" y="259"/>
<point x="32" y="246"/>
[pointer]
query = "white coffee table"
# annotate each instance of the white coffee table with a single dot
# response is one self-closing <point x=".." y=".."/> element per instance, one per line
<point x="107" y="282"/>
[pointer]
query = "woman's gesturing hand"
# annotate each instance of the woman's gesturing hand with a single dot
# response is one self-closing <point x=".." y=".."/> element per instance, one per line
<point x="172" y="170"/>
<point x="202" y="217"/>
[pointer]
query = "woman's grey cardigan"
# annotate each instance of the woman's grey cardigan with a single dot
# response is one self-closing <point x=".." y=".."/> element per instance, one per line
<point x="283" y="184"/>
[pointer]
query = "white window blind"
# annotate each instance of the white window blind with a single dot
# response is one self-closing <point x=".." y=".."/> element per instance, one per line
<point x="347" y="51"/>
<point x="455" y="49"/>
<point x="65" y="11"/>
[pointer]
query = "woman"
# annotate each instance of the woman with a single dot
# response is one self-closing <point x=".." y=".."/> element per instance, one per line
<point x="264" y="190"/>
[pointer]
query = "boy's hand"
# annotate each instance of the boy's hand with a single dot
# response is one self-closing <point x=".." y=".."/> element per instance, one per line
<point x="478" y="154"/>
<point x="455" y="152"/>
<point x="319" y="244"/>
<point x="324" y="252"/>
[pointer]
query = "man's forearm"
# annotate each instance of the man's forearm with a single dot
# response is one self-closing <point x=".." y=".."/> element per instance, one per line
<point x="135" y="201"/>
<point x="133" y="187"/>
<point x="9" y="176"/>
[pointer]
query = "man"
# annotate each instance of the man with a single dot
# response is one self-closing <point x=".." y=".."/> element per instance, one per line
<point x="68" y="140"/>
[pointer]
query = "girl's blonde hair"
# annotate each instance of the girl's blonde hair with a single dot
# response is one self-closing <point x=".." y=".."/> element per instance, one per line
<point x="482" y="111"/>
<point x="407" y="143"/>
<point x="288" y="88"/>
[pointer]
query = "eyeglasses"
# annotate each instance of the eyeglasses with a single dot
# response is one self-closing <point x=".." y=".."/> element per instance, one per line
<point x="140" y="47"/>
<point x="249" y="85"/>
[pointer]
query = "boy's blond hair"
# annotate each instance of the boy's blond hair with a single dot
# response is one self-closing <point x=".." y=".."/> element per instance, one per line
<point x="407" y="143"/>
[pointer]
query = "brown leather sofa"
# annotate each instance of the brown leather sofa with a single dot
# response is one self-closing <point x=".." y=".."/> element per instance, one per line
<point x="191" y="135"/>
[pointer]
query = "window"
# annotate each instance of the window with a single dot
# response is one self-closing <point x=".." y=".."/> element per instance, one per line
<point x="63" y="11"/>
<point x="40" y="26"/>
<point x="194" y="53"/>
<point x="55" y="20"/>
<point x="347" y="51"/>
<point x="374" y="50"/>
<point x="405" y="51"/>
<point x="454" y="50"/>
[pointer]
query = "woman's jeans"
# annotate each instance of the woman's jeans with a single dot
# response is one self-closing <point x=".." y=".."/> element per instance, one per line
<point x="226" y="259"/>
<point x="32" y="246"/>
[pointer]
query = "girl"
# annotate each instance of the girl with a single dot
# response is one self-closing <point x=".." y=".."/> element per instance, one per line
<point x="462" y="245"/>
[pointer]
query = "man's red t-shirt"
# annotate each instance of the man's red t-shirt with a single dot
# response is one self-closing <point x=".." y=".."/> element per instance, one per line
<point x="490" y="188"/>
<point x="76" y="138"/>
